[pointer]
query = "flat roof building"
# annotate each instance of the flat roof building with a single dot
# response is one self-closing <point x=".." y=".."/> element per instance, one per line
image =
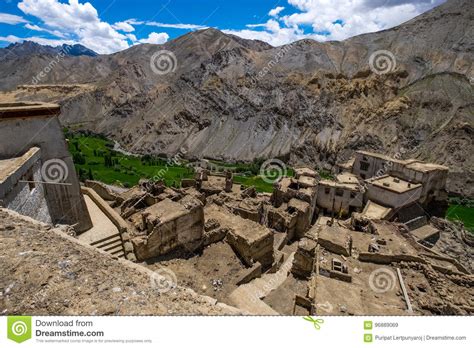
<point x="392" y="192"/>
<point x="340" y="197"/>
<point x="432" y="176"/>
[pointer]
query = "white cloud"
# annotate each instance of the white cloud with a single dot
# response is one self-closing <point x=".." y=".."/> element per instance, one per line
<point x="261" y="25"/>
<point x="134" y="21"/>
<point x="11" y="19"/>
<point x="123" y="26"/>
<point x="274" y="12"/>
<point x="39" y="40"/>
<point x="174" y="26"/>
<point x="342" y="19"/>
<point x="79" y="20"/>
<point x="132" y="37"/>
<point x="38" y="28"/>
<point x="34" y="27"/>
<point x="155" y="38"/>
<point x="333" y="19"/>
<point x="274" y="34"/>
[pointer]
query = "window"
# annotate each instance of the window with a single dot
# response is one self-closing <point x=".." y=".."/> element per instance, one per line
<point x="353" y="195"/>
<point x="364" y="166"/>
<point x="339" y="192"/>
<point x="327" y="190"/>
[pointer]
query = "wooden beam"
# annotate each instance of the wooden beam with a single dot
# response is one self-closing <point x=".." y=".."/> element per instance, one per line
<point x="404" y="291"/>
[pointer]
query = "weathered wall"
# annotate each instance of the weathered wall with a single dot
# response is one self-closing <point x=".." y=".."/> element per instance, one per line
<point x="434" y="182"/>
<point x="66" y="204"/>
<point x="374" y="165"/>
<point x="303" y="263"/>
<point x="22" y="197"/>
<point x="251" y="250"/>
<point x="171" y="225"/>
<point x="390" y="198"/>
<point x="103" y="191"/>
<point x="351" y="200"/>
<point x="303" y="218"/>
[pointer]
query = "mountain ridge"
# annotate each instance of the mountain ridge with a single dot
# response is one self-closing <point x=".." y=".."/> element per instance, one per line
<point x="26" y="48"/>
<point x="307" y="102"/>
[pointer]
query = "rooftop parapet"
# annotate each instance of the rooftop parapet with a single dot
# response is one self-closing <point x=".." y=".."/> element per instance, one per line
<point x="28" y="109"/>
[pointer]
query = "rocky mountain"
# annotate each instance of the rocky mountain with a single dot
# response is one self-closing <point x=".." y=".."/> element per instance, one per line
<point x="407" y="92"/>
<point x="29" y="48"/>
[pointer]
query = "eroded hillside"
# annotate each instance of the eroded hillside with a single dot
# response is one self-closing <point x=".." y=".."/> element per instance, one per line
<point x="308" y="102"/>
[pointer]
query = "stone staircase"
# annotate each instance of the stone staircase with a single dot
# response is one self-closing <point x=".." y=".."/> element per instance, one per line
<point x="109" y="232"/>
<point x="111" y="244"/>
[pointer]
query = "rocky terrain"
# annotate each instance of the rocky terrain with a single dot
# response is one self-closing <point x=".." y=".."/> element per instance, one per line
<point x="307" y="102"/>
<point x="44" y="272"/>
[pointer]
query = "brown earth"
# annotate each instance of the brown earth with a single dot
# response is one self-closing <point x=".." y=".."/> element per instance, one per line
<point x="43" y="271"/>
<point x="214" y="273"/>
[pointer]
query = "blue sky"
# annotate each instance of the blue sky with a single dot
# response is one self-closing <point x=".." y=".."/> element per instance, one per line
<point x="108" y="26"/>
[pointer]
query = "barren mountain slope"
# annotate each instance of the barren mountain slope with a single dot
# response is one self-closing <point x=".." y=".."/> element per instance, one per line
<point x="309" y="102"/>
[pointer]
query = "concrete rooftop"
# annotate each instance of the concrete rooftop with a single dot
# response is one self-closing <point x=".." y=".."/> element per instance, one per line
<point x="393" y="184"/>
<point x="10" y="165"/>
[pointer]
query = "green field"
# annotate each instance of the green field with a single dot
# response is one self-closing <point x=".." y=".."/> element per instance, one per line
<point x="248" y="174"/>
<point x="95" y="159"/>
<point x="463" y="213"/>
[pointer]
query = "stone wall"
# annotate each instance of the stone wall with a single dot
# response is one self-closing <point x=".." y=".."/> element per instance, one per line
<point x="334" y="197"/>
<point x="387" y="259"/>
<point x="26" y="198"/>
<point x="390" y="198"/>
<point x="168" y="226"/>
<point x="335" y="239"/>
<point x="305" y="255"/>
<point x="252" y="249"/>
<point x="37" y="125"/>
<point x="103" y="191"/>
<point x="304" y="215"/>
